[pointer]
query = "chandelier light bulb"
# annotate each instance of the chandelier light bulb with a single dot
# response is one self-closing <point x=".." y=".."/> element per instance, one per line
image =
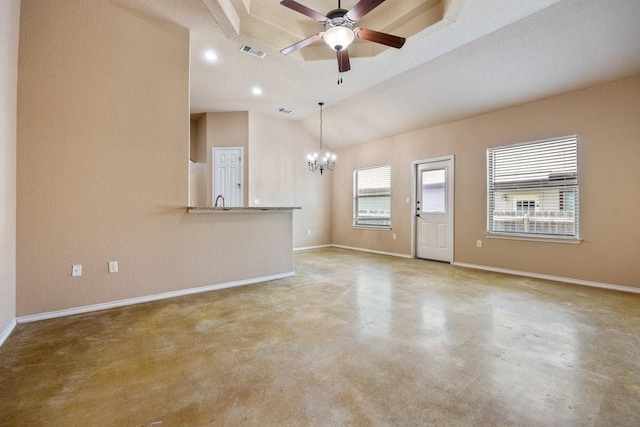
<point x="338" y="37"/>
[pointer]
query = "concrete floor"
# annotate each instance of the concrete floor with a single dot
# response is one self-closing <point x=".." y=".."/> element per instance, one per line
<point x="352" y="339"/>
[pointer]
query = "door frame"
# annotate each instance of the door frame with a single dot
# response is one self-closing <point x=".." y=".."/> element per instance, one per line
<point x="450" y="202"/>
<point x="213" y="172"/>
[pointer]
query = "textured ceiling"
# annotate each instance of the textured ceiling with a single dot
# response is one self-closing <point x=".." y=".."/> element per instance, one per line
<point x="461" y="58"/>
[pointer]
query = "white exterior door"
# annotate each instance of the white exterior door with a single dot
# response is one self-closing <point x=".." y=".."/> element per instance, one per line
<point x="434" y="210"/>
<point x="227" y="176"/>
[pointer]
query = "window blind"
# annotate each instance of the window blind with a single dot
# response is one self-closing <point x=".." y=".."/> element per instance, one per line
<point x="532" y="188"/>
<point x="372" y="196"/>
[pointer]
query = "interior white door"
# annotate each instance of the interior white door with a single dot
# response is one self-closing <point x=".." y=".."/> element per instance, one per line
<point x="227" y="176"/>
<point x="434" y="210"/>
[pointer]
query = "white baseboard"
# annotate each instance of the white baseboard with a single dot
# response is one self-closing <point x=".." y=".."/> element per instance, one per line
<point x="7" y="331"/>
<point x="305" y="248"/>
<point x="554" y="278"/>
<point x="372" y="251"/>
<point x="148" y="298"/>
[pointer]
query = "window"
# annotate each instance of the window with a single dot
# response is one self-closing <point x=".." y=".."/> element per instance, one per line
<point x="533" y="189"/>
<point x="525" y="205"/>
<point x="567" y="201"/>
<point x="372" y="197"/>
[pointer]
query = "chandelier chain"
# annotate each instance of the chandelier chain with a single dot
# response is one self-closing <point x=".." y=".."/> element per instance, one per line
<point x="321" y="104"/>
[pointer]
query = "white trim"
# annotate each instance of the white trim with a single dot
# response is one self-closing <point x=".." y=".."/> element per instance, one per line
<point x="451" y="203"/>
<point x="7" y="331"/>
<point x="148" y="298"/>
<point x="372" y="227"/>
<point x="305" y="248"/>
<point x="525" y="236"/>
<point x="532" y="238"/>
<point x="622" y="288"/>
<point x="372" y="251"/>
<point x="355" y="220"/>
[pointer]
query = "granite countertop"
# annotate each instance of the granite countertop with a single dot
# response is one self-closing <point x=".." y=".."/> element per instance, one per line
<point x="248" y="209"/>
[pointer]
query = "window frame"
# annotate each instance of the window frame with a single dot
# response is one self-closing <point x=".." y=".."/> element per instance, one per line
<point x="568" y="183"/>
<point x="356" y="198"/>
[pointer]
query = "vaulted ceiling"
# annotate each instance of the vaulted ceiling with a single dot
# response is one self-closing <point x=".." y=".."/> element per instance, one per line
<point x="461" y="58"/>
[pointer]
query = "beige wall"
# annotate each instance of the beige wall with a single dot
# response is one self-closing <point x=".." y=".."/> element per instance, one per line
<point x="9" y="21"/>
<point x="193" y="140"/>
<point x="103" y="150"/>
<point x="606" y="121"/>
<point x="278" y="176"/>
<point x="197" y="165"/>
<point x="200" y="141"/>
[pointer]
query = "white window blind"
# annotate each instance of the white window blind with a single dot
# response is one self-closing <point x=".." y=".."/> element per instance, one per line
<point x="372" y="196"/>
<point x="533" y="189"/>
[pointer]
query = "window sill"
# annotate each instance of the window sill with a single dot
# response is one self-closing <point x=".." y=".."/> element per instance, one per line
<point x="505" y="236"/>
<point x="371" y="227"/>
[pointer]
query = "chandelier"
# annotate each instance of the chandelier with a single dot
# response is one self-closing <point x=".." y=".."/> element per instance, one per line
<point x="323" y="161"/>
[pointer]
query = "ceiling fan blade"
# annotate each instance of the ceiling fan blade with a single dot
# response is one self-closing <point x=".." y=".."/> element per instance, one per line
<point x="378" y="37"/>
<point x="293" y="5"/>
<point x="362" y="8"/>
<point x="301" y="44"/>
<point x="343" y="61"/>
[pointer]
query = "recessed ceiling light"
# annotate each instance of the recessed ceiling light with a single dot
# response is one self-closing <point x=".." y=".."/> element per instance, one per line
<point x="257" y="91"/>
<point x="210" y="56"/>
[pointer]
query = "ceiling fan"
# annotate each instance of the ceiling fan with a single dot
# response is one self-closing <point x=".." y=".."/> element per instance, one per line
<point x="339" y="29"/>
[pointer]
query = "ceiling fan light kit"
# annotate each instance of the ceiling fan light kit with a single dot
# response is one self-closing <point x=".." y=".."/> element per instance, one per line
<point x="339" y="30"/>
<point x="338" y="38"/>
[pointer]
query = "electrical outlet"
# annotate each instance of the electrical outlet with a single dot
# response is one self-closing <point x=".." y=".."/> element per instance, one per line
<point x="256" y="202"/>
<point x="479" y="243"/>
<point x="113" y="266"/>
<point x="309" y="232"/>
<point x="76" y="270"/>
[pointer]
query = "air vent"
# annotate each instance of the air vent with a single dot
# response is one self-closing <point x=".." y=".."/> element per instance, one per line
<point x="285" y="110"/>
<point x="253" y="52"/>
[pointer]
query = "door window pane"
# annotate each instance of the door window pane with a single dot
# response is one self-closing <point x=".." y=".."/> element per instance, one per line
<point x="434" y="198"/>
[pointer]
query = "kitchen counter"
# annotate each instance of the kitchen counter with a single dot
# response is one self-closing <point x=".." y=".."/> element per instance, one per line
<point x="251" y="209"/>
